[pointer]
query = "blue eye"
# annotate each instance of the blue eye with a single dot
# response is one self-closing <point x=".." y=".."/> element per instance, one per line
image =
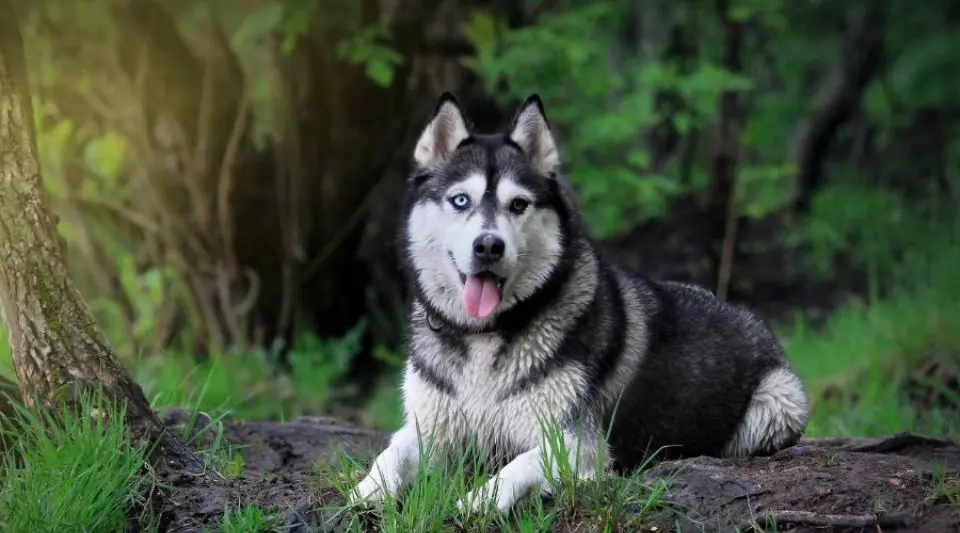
<point x="460" y="202"/>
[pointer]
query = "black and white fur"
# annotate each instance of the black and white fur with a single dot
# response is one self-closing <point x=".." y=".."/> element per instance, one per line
<point x="574" y="336"/>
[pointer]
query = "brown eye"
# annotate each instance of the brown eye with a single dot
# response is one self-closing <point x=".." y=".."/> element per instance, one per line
<point x="518" y="206"/>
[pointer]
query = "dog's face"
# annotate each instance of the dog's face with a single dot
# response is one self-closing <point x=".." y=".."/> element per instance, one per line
<point x="484" y="226"/>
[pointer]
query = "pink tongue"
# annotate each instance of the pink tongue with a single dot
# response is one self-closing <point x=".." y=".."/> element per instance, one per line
<point x="480" y="296"/>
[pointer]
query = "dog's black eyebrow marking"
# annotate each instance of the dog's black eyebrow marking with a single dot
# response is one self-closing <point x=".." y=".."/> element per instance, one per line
<point x="540" y="204"/>
<point x="507" y="141"/>
<point x="471" y="140"/>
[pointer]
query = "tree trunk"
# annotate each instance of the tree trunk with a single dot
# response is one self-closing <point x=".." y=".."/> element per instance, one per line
<point x="723" y="167"/>
<point x="55" y="340"/>
<point x="835" y="102"/>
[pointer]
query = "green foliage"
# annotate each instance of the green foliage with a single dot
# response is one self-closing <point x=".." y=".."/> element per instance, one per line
<point x="104" y="191"/>
<point x="260" y="22"/>
<point x="147" y="291"/>
<point x="603" y="103"/>
<point x="368" y="47"/>
<point x="601" y="90"/>
<point x="877" y="232"/>
<point x="603" y="97"/>
<point x="847" y="218"/>
<point x="924" y="71"/>
<point x="248" y="385"/>
<point x="857" y="369"/>
<point x="318" y="363"/>
<point x="361" y="44"/>
<point x="104" y="156"/>
<point x="79" y="473"/>
<point x="290" y="20"/>
<point x="385" y="406"/>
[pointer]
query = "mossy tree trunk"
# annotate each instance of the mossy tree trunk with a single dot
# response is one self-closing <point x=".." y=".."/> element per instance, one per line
<point x="55" y="340"/>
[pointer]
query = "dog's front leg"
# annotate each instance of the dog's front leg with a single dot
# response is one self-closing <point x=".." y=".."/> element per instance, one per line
<point x="529" y="470"/>
<point x="510" y="484"/>
<point x="392" y="469"/>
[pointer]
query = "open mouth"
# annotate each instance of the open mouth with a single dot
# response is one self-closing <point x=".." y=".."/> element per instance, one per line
<point x="481" y="293"/>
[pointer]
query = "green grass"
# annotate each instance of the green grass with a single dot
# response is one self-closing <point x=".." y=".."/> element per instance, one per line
<point x="943" y="487"/>
<point x="246" y="519"/>
<point x="82" y="473"/>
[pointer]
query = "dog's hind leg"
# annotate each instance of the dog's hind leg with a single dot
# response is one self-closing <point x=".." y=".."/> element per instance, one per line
<point x="775" y="418"/>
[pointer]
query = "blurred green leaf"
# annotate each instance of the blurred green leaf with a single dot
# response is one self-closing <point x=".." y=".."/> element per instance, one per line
<point x="105" y="156"/>
<point x="381" y="72"/>
<point x="481" y="29"/>
<point x="368" y="47"/>
<point x="258" y="23"/>
<point x="740" y="13"/>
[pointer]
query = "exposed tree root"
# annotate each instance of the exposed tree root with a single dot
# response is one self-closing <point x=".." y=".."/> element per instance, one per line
<point x="887" y="520"/>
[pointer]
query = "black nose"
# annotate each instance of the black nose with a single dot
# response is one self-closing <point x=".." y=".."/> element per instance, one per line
<point x="488" y="247"/>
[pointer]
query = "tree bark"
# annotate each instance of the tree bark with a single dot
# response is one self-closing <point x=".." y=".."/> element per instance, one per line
<point x="55" y="340"/>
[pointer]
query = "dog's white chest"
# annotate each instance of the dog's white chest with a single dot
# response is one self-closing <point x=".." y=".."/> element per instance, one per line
<point x="481" y="390"/>
<point x="483" y="401"/>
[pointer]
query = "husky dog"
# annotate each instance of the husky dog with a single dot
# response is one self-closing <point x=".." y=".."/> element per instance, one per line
<point x="516" y="314"/>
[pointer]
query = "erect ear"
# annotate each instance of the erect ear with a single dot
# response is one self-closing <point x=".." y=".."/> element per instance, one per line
<point x="447" y="129"/>
<point x="531" y="131"/>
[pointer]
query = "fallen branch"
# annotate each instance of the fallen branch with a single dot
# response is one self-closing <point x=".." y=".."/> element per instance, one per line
<point x="901" y="441"/>
<point x="887" y="520"/>
<point x="890" y="444"/>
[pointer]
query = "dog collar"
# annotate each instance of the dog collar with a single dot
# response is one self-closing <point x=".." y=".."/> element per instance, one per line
<point x="433" y="323"/>
<point x="437" y="323"/>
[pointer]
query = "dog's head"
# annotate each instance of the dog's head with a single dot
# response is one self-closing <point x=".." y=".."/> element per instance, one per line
<point x="486" y="217"/>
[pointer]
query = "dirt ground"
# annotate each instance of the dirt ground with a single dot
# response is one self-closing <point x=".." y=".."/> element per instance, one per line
<point x="818" y="485"/>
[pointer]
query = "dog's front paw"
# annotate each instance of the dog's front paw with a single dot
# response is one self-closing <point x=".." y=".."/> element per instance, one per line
<point x="368" y="492"/>
<point x="474" y="503"/>
<point x="492" y="493"/>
